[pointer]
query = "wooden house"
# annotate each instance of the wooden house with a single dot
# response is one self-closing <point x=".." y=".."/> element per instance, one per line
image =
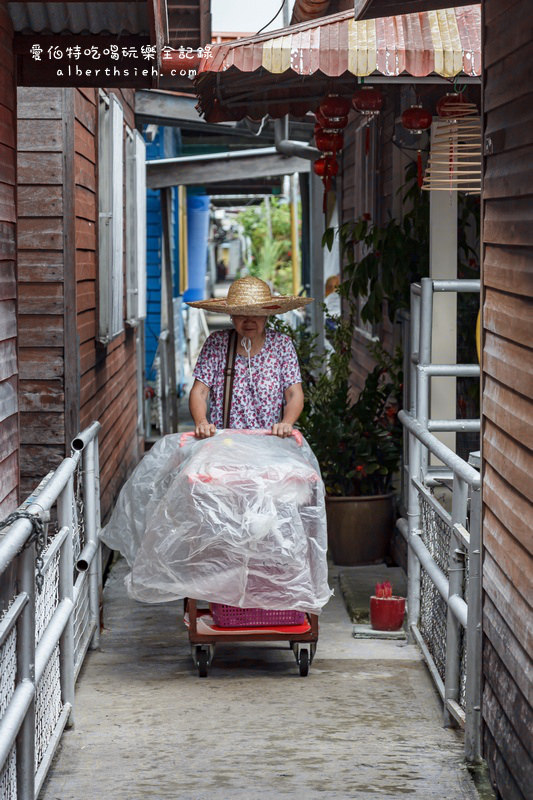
<point x="59" y="367"/>
<point x="507" y="374"/>
<point x="9" y="439"/>
<point x="71" y="233"/>
<point x="506" y="363"/>
<point x="74" y="367"/>
<point x="507" y="404"/>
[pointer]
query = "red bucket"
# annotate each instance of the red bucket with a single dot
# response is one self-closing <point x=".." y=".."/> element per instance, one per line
<point x="387" y="613"/>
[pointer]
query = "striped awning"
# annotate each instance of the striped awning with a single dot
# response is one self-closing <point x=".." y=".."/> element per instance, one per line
<point x="446" y="42"/>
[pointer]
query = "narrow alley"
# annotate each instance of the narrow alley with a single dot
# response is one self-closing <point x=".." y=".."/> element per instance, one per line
<point x="364" y="723"/>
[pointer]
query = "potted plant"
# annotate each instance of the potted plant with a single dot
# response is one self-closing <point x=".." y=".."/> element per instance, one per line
<point x="386" y="610"/>
<point x="358" y="444"/>
<point x="357" y="439"/>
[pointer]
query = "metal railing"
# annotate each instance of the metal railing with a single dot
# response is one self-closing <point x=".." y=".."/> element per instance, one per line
<point x="444" y="547"/>
<point x="53" y="616"/>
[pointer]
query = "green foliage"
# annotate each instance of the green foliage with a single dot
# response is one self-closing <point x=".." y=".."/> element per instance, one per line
<point x="271" y="255"/>
<point x="381" y="261"/>
<point x="358" y="444"/>
<point x="304" y="341"/>
<point x="268" y="259"/>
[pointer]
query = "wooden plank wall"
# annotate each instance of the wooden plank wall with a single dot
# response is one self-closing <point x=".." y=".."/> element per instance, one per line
<point x="507" y="398"/>
<point x="9" y="433"/>
<point x="41" y="271"/>
<point x="67" y="380"/>
<point x="107" y="374"/>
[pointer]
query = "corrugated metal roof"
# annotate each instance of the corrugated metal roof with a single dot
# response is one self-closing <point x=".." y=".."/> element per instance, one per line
<point x="282" y="73"/>
<point x="446" y="42"/>
<point x="95" y="18"/>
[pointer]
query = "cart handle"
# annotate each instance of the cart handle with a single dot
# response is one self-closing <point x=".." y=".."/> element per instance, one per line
<point x="259" y="432"/>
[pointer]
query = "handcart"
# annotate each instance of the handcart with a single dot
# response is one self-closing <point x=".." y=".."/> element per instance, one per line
<point x="204" y="634"/>
<point x="247" y="625"/>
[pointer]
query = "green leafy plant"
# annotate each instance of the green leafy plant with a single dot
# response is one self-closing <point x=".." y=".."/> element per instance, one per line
<point x="269" y="230"/>
<point x="267" y="260"/>
<point x="381" y="261"/>
<point x="358" y="444"/>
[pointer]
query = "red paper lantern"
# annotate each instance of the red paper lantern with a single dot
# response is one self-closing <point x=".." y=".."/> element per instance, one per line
<point x="367" y="101"/>
<point x="329" y="141"/>
<point x="326" y="166"/>
<point x="450" y="104"/>
<point x="416" y="119"/>
<point x="333" y="106"/>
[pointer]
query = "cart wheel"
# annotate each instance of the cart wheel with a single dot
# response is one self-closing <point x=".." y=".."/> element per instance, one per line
<point x="303" y="663"/>
<point x="202" y="662"/>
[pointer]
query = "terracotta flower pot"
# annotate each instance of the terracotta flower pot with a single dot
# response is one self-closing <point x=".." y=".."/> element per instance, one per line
<point x="359" y="528"/>
<point x="387" y="613"/>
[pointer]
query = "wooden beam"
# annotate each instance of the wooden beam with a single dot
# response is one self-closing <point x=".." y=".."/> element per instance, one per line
<point x="158" y="16"/>
<point x="205" y="22"/>
<point x="199" y="173"/>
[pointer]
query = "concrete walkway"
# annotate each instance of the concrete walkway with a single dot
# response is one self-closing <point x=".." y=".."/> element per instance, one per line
<point x="365" y="723"/>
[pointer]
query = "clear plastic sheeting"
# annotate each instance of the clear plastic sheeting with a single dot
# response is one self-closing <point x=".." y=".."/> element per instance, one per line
<point x="238" y="519"/>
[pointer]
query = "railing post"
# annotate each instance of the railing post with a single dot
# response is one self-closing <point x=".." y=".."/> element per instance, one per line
<point x="65" y="517"/>
<point x="424" y="358"/>
<point x="474" y="635"/>
<point x="91" y="536"/>
<point x="414" y="453"/>
<point x="455" y="584"/>
<point x="98" y="557"/>
<point x="414" y="343"/>
<point x="26" y="672"/>
<point x="413" y="519"/>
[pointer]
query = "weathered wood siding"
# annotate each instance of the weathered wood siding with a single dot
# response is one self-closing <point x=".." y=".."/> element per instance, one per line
<point x="9" y="434"/>
<point x="41" y="188"/>
<point x="67" y="379"/>
<point x="507" y="398"/>
<point x="107" y="374"/>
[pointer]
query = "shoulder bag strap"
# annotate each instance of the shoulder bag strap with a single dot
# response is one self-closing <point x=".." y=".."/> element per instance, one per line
<point x="228" y="377"/>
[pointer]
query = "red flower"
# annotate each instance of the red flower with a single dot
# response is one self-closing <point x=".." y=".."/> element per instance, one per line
<point x="367" y="216"/>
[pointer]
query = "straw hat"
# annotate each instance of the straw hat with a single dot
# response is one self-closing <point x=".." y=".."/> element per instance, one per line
<point x="251" y="297"/>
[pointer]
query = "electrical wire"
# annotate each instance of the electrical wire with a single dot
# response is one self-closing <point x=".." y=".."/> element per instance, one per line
<point x="273" y="18"/>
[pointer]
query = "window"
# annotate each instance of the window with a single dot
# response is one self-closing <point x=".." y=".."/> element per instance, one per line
<point x="110" y="207"/>
<point x="135" y="228"/>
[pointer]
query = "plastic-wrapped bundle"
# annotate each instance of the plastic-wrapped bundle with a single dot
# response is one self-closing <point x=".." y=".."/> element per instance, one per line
<point x="238" y="519"/>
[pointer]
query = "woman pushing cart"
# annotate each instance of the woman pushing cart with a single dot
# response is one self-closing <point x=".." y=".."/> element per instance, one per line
<point x="229" y="516"/>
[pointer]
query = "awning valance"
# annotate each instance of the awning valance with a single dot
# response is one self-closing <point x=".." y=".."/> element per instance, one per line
<point x="290" y="68"/>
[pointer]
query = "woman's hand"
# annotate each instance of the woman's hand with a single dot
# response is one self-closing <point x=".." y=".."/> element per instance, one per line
<point x="198" y="408"/>
<point x="204" y="430"/>
<point x="294" y="403"/>
<point x="282" y="429"/>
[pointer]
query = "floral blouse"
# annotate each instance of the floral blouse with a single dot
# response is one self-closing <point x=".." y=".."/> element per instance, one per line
<point x="258" y="397"/>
